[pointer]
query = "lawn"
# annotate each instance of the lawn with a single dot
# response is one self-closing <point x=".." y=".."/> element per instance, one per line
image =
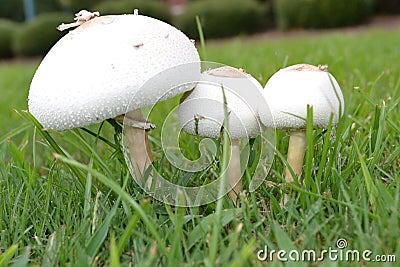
<point x="83" y="208"/>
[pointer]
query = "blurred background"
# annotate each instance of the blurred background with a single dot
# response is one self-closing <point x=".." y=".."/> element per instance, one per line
<point x="27" y="27"/>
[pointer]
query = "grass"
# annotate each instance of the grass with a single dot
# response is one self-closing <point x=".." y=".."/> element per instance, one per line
<point x="81" y="207"/>
<point x="14" y="84"/>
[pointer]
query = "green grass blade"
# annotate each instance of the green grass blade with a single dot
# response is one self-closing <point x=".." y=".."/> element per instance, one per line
<point x="100" y="235"/>
<point x="324" y="156"/>
<point x="201" y="36"/>
<point x="7" y="255"/>
<point x="114" y="255"/>
<point x="14" y="132"/>
<point x="371" y="188"/>
<point x="244" y="254"/>
<point x="375" y="127"/>
<point x="176" y="256"/>
<point x="202" y="229"/>
<point x="82" y="260"/>
<point x="52" y="256"/>
<point x="88" y="192"/>
<point x="55" y="147"/>
<point x="310" y="184"/>
<point x="126" y="235"/>
<point x="284" y="242"/>
<point x="97" y="136"/>
<point x="90" y="151"/>
<point x="223" y="180"/>
<point x="378" y="133"/>
<point x="124" y="196"/>
<point x="23" y="260"/>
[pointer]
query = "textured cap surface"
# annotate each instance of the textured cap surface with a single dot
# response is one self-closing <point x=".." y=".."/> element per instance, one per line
<point x="290" y="90"/>
<point x="94" y="71"/>
<point x="201" y="111"/>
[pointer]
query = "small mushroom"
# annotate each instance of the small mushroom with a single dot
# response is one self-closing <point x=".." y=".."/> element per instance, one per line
<point x="288" y="93"/>
<point x="201" y="112"/>
<point x="94" y="73"/>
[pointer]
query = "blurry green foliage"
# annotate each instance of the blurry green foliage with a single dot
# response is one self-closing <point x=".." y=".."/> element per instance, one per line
<point x="7" y="31"/>
<point x="221" y="18"/>
<point x="321" y="14"/>
<point x="12" y="9"/>
<point x="152" y="8"/>
<point x="387" y="6"/>
<point x="77" y="5"/>
<point x="37" y="37"/>
<point x="45" y="6"/>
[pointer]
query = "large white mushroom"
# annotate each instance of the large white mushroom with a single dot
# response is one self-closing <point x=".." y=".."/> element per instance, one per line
<point x="201" y="112"/>
<point x="288" y="93"/>
<point x="98" y="71"/>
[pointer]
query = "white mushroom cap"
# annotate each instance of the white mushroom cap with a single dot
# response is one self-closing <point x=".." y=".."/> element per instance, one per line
<point x="93" y="72"/>
<point x="290" y="90"/>
<point x="201" y="111"/>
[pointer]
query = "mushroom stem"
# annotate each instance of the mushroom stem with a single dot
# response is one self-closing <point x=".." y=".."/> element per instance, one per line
<point x="234" y="171"/>
<point x="139" y="149"/>
<point x="295" y="157"/>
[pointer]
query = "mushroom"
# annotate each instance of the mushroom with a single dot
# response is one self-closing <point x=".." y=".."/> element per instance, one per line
<point x="98" y="71"/>
<point x="201" y="112"/>
<point x="288" y="93"/>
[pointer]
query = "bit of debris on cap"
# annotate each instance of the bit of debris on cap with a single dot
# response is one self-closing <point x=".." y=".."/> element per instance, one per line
<point x="323" y="67"/>
<point x="80" y="18"/>
<point x="137" y="45"/>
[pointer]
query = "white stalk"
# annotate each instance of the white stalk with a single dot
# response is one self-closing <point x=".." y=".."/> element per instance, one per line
<point x="234" y="171"/>
<point x="139" y="149"/>
<point x="295" y="156"/>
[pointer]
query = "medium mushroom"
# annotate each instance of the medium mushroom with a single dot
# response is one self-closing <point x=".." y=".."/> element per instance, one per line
<point x="288" y="93"/>
<point x="201" y="112"/>
<point x="102" y="70"/>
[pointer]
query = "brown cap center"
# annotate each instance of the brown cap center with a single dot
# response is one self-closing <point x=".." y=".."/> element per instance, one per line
<point x="98" y="20"/>
<point x="306" y="67"/>
<point x="227" y="71"/>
